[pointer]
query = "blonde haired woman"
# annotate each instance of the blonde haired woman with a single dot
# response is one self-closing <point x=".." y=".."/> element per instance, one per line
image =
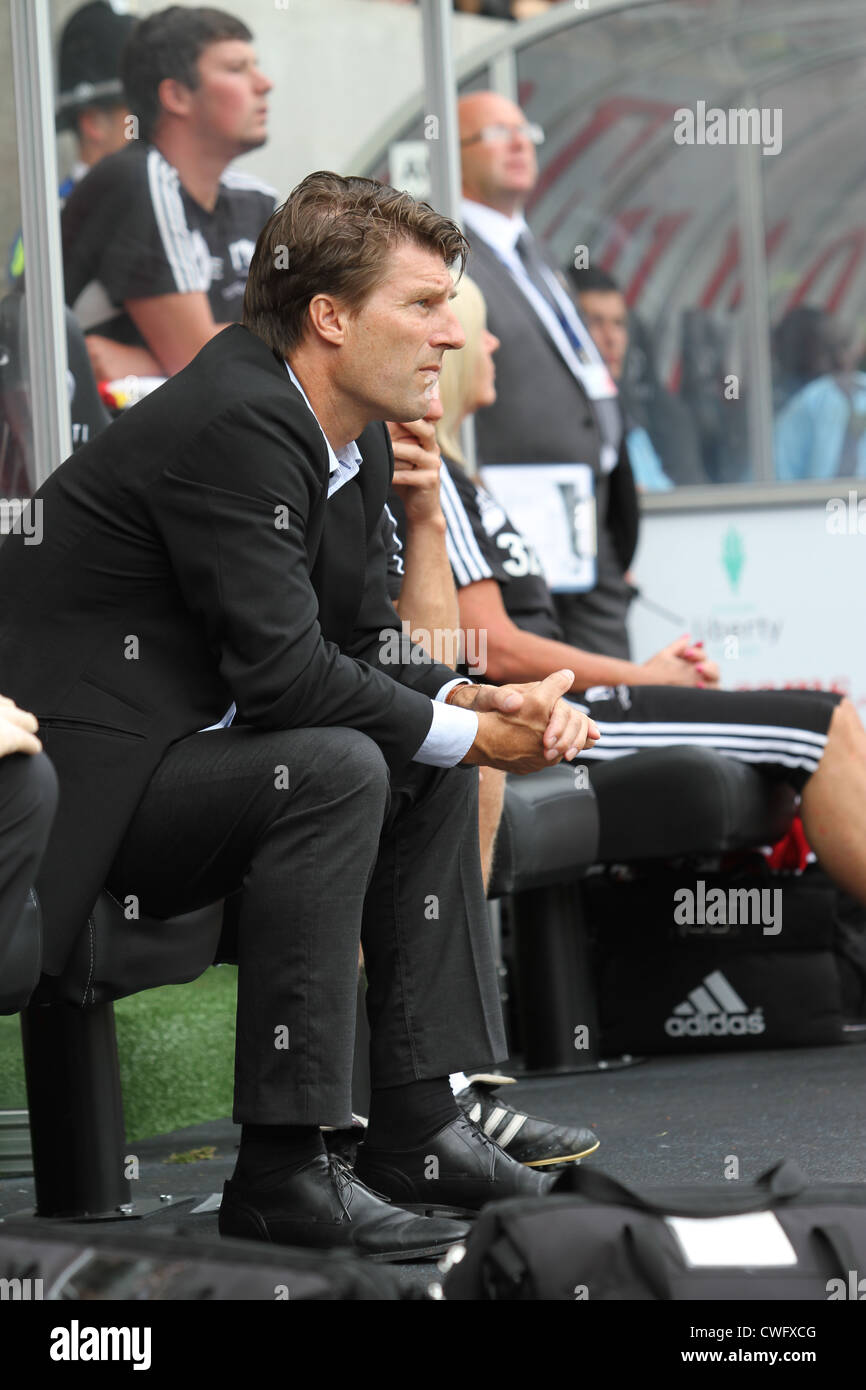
<point x="467" y="380"/>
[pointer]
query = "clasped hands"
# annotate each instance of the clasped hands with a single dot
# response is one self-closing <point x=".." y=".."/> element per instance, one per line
<point x="522" y="728"/>
<point x="17" y="729"/>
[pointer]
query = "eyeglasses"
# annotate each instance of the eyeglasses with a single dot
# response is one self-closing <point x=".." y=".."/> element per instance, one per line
<point x="496" y="134"/>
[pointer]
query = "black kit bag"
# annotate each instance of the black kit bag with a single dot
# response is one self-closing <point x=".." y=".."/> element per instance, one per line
<point x="179" y="1263"/>
<point x="610" y="1243"/>
<point x="669" y="984"/>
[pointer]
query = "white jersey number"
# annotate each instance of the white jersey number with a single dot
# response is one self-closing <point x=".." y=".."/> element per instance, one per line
<point x="523" y="559"/>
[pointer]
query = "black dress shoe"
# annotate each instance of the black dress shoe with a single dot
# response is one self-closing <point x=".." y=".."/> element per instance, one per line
<point x="324" y="1205"/>
<point x="459" y="1169"/>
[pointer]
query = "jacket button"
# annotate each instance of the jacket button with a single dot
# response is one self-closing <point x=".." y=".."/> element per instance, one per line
<point x="587" y="422"/>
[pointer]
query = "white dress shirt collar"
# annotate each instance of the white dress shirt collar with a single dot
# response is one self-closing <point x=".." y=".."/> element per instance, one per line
<point x="497" y="229"/>
<point x="348" y="455"/>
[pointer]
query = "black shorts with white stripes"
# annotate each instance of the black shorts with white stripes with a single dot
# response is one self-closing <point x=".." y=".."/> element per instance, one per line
<point x="781" y="732"/>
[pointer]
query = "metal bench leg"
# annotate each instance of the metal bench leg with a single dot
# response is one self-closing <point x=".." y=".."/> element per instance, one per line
<point x="554" y="983"/>
<point x="76" y="1114"/>
<point x="76" y="1110"/>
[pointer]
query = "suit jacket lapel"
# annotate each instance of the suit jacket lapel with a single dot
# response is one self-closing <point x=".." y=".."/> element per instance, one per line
<point x="338" y="576"/>
<point x="512" y="290"/>
<point x="375" y="477"/>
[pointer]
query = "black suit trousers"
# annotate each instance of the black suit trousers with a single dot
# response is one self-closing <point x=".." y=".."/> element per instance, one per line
<point x="28" y="799"/>
<point x="326" y="851"/>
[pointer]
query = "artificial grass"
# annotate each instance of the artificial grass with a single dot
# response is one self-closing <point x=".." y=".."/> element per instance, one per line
<point x="12" y="1093"/>
<point x="176" y="1047"/>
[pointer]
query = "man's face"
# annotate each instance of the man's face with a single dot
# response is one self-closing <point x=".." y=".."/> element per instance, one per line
<point x="505" y="168"/>
<point x="605" y="314"/>
<point x="101" y="131"/>
<point x="229" y="104"/>
<point x="393" y="347"/>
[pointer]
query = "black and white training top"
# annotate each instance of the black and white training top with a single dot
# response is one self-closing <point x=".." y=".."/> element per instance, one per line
<point x="132" y="231"/>
<point x="483" y="544"/>
<point x="780" y="732"/>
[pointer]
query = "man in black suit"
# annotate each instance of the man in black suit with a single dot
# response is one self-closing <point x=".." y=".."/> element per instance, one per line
<point x="28" y="797"/>
<point x="219" y="551"/>
<point x="556" y="402"/>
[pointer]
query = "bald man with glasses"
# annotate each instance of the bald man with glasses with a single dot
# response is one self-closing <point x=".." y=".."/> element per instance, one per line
<point x="556" y="401"/>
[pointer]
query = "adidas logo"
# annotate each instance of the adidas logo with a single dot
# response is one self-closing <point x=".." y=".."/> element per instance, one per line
<point x="514" y="1122"/>
<point x="713" y="1010"/>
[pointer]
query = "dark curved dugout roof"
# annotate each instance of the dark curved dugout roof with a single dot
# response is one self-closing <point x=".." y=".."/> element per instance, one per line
<point x="667" y="219"/>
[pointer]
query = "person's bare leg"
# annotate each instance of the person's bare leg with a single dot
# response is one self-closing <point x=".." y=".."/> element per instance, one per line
<point x="834" y="802"/>
<point x="491" y="794"/>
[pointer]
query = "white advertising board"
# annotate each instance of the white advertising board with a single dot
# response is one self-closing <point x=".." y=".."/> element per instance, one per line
<point x="777" y="594"/>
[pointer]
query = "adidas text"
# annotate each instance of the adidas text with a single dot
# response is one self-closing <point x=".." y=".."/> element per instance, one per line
<point x="716" y="1026"/>
<point x="714" y="1009"/>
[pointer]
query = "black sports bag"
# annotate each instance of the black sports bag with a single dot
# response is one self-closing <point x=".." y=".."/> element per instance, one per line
<point x="665" y="984"/>
<point x="178" y="1262"/>
<point x="607" y="1242"/>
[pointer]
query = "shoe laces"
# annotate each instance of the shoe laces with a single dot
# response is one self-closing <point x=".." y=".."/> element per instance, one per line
<point x="343" y="1179"/>
<point x="485" y="1139"/>
<point x="346" y="1180"/>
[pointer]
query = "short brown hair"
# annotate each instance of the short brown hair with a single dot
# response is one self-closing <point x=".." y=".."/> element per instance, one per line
<point x="169" y="44"/>
<point x="332" y="236"/>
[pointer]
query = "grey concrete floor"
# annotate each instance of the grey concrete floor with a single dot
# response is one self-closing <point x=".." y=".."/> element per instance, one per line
<point x="665" y="1121"/>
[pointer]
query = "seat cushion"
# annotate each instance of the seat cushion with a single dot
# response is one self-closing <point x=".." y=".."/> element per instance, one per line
<point x="666" y="802"/>
<point x="548" y="832"/>
<point x="21" y="958"/>
<point x="116" y="955"/>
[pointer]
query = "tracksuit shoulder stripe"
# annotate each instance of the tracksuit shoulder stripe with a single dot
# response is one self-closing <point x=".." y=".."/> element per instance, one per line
<point x="171" y="221"/>
<point x="464" y="552"/>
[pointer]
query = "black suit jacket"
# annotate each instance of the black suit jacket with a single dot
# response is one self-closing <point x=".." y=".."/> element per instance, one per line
<point x="542" y="413"/>
<point x="190" y="557"/>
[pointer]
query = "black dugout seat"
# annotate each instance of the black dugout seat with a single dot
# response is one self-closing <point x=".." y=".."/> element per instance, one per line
<point x="549" y="838"/>
<point x="661" y="803"/>
<point x="666" y="802"/>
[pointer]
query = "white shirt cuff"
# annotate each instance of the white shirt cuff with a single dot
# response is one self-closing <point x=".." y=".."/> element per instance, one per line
<point x="451" y="734"/>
